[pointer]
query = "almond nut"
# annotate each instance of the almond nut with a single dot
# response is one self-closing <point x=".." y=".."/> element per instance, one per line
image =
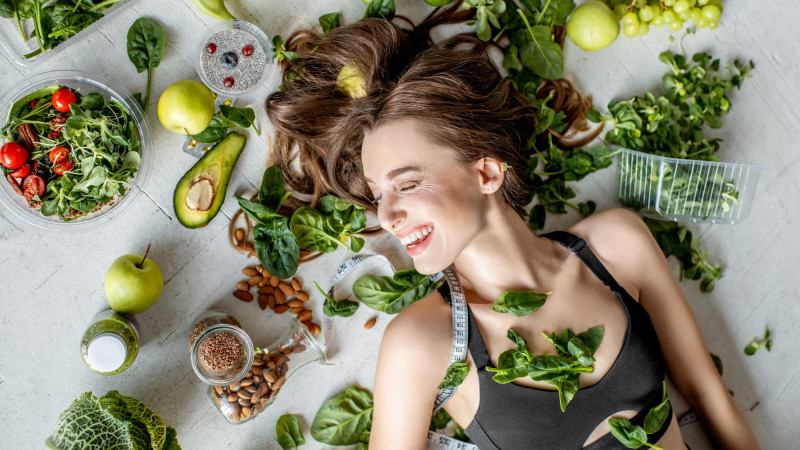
<point x="266" y="290"/>
<point x="254" y="280"/>
<point x="243" y="394"/>
<point x="243" y="296"/>
<point x="287" y="288"/>
<point x="370" y="323"/>
<point x="279" y="297"/>
<point x="262" y="301"/>
<point x="270" y="376"/>
<point x="238" y="235"/>
<point x="296" y="310"/>
<point x="250" y="271"/>
<point x="245" y="383"/>
<point x="251" y="389"/>
<point x="232" y="398"/>
<point x="247" y="247"/>
<point x="246" y="412"/>
<point x="295" y="304"/>
<point x="280" y="309"/>
<point x="271" y="301"/>
<point x="304" y="315"/>
<point x="317" y="329"/>
<point x="244" y="402"/>
<point x="243" y="286"/>
<point x="299" y="348"/>
<point x="296" y="284"/>
<point x="264" y="282"/>
<point x="218" y="390"/>
<point x="302" y="295"/>
<point x="273" y="281"/>
<point x="252" y="254"/>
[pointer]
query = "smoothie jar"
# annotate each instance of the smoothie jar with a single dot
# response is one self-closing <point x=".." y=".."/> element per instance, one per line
<point x="110" y="344"/>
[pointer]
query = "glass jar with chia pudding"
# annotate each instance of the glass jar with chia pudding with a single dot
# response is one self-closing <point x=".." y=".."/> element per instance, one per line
<point x="233" y="57"/>
<point x="219" y="348"/>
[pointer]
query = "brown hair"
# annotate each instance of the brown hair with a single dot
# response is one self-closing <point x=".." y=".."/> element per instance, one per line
<point x="451" y="89"/>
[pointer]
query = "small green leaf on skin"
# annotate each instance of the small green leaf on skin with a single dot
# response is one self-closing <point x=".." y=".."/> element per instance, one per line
<point x="519" y="303"/>
<point x="456" y="373"/>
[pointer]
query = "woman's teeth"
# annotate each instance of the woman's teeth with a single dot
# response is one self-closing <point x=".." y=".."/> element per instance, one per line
<point x="416" y="236"/>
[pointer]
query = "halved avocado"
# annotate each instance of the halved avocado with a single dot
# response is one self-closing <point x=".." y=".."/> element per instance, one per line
<point x="201" y="191"/>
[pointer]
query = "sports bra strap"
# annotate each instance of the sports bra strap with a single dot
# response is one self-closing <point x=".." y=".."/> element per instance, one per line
<point x="578" y="246"/>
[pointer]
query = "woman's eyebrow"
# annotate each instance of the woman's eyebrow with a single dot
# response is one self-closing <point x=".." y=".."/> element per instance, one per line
<point x="394" y="173"/>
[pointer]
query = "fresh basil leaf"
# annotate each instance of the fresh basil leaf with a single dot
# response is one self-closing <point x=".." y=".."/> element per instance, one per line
<point x="215" y="131"/>
<point x="329" y="22"/>
<point x="276" y="247"/>
<point x="519" y="303"/>
<point x="456" y="373"/>
<point x="631" y="436"/>
<point x="342" y="420"/>
<point x="380" y="9"/>
<point x="287" y="429"/>
<point x="145" y="44"/>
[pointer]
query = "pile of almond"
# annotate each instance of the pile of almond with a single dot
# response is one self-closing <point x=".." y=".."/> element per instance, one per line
<point x="247" y="397"/>
<point x="280" y="296"/>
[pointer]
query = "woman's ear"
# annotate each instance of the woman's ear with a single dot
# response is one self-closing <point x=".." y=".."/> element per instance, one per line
<point x="491" y="174"/>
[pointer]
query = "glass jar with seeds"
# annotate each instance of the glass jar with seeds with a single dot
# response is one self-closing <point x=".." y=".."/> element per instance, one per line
<point x="243" y="400"/>
<point x="221" y="351"/>
<point x="233" y="57"/>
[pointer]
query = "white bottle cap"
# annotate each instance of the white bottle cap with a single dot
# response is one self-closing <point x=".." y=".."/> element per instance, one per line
<point x="106" y="353"/>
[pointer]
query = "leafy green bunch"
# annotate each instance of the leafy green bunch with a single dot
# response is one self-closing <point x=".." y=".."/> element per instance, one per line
<point x="278" y="239"/>
<point x="575" y="355"/>
<point x="54" y="23"/>
<point x="227" y="117"/>
<point x="696" y="95"/>
<point x="112" y="421"/>
<point x="676" y="240"/>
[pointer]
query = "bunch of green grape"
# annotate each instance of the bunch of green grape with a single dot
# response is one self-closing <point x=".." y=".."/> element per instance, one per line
<point x="639" y="15"/>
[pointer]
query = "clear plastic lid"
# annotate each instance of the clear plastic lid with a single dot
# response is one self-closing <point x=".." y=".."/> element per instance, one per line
<point x="83" y="83"/>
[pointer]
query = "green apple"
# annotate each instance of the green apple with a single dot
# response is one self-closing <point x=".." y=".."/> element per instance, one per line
<point x="593" y="26"/>
<point x="186" y="107"/>
<point x="351" y="82"/>
<point x="133" y="283"/>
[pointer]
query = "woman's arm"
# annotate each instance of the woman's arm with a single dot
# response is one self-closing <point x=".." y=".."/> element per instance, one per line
<point x="412" y="362"/>
<point x="639" y="259"/>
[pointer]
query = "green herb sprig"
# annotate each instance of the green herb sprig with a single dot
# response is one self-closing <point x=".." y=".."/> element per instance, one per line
<point x="145" y="49"/>
<point x="766" y="342"/>
<point x="634" y="436"/>
<point x="342" y="308"/>
<point x="227" y="117"/>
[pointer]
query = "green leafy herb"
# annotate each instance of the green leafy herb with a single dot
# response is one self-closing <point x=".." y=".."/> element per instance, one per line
<point x="393" y="294"/>
<point x="755" y="344"/>
<point x="631" y="436"/>
<point x="343" y="420"/>
<point x="380" y="9"/>
<point x="486" y="12"/>
<point x="329" y="21"/>
<point x="456" y="373"/>
<point x="331" y="307"/>
<point x="111" y="421"/>
<point x="145" y="49"/>
<point x="288" y="432"/>
<point x="333" y="223"/>
<point x="676" y="240"/>
<point x="280" y="52"/>
<point x="227" y="117"/>
<point x="244" y="117"/>
<point x="658" y="414"/>
<point x="519" y="303"/>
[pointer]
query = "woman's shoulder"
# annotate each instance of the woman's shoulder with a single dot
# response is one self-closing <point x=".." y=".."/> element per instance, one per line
<point x="422" y="328"/>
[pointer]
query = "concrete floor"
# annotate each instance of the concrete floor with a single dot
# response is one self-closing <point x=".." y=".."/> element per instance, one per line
<point x="54" y="280"/>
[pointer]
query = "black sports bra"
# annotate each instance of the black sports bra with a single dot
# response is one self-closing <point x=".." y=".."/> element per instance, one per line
<point x="512" y="416"/>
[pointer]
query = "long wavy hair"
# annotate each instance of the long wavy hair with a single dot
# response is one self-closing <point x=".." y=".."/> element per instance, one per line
<point x="451" y="89"/>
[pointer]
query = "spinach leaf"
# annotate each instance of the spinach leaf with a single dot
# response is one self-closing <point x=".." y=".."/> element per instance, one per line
<point x="631" y="436"/>
<point x="13" y="9"/>
<point x="276" y="247"/>
<point x="145" y="49"/>
<point x="280" y="52"/>
<point x="456" y="373"/>
<point x="393" y="294"/>
<point x="658" y="414"/>
<point x="244" y="117"/>
<point x="288" y="432"/>
<point x="439" y="420"/>
<point x="315" y="231"/>
<point x="519" y="303"/>
<point x="257" y="211"/>
<point x="24" y="102"/>
<point x="329" y="21"/>
<point x="92" y="101"/>
<point x="215" y="131"/>
<point x="751" y="348"/>
<point x="676" y="240"/>
<point x="512" y="364"/>
<point x="343" y="419"/>
<point x="273" y="188"/>
<point x="560" y="372"/>
<point x="331" y="307"/>
<point x="380" y="9"/>
<point x="560" y="341"/>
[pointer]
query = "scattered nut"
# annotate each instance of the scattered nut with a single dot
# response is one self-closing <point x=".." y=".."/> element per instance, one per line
<point x="243" y="286"/>
<point x="239" y="235"/>
<point x="302" y="295"/>
<point x="296" y="310"/>
<point x="252" y="254"/>
<point x="295" y="304"/>
<point x="250" y="271"/>
<point x="296" y="284"/>
<point x="370" y="323"/>
<point x="287" y="288"/>
<point x="271" y="301"/>
<point x="254" y="280"/>
<point x="243" y="296"/>
<point x="262" y="301"/>
<point x="304" y="315"/>
<point x="279" y="297"/>
<point x="280" y="309"/>
<point x="273" y="281"/>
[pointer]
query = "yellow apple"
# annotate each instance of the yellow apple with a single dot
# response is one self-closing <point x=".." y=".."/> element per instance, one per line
<point x="593" y="26"/>
<point x="186" y="107"/>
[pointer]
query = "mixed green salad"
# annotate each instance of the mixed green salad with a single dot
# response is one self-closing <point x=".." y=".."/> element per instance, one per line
<point x="52" y="22"/>
<point x="67" y="152"/>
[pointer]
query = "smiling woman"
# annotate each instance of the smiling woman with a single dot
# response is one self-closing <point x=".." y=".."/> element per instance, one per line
<point x="435" y="143"/>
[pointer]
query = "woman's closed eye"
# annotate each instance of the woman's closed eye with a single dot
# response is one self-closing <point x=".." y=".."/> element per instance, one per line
<point x="404" y="189"/>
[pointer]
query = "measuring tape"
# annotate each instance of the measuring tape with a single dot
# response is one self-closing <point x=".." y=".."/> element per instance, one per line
<point x="438" y="441"/>
<point x="458" y="351"/>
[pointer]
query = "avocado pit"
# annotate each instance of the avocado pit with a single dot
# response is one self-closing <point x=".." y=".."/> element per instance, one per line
<point x="200" y="195"/>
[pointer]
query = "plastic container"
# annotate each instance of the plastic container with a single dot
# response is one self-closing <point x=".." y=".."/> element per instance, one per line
<point x="220" y="350"/>
<point x="84" y="83"/>
<point x="230" y="38"/>
<point x="12" y="44"/>
<point x="110" y="344"/>
<point x="258" y="378"/>
<point x="685" y="190"/>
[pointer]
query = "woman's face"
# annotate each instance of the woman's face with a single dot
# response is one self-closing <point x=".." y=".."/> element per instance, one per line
<point x="427" y="199"/>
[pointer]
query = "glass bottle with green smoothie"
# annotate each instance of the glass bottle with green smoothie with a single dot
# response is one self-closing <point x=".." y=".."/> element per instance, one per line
<point x="111" y="343"/>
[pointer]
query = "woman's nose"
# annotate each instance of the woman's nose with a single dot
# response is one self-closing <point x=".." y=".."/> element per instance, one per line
<point x="390" y="215"/>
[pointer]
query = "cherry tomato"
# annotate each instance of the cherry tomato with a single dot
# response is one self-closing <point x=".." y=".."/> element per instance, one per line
<point x="33" y="103"/>
<point x="60" y="168"/>
<point x="22" y="172"/>
<point x="33" y="185"/>
<point x="58" y="155"/>
<point x="62" y="98"/>
<point x="13" y="155"/>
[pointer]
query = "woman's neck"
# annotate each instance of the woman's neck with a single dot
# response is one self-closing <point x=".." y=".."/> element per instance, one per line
<point x="505" y="255"/>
